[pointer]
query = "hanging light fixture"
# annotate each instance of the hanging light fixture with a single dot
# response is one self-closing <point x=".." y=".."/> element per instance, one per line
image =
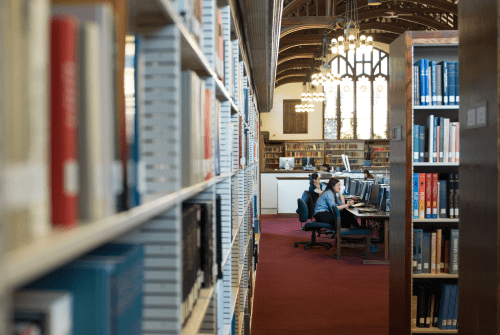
<point x="351" y="38"/>
<point x="309" y="94"/>
<point x="374" y="3"/>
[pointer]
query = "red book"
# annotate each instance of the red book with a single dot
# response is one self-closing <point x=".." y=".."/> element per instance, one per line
<point x="428" y="195"/>
<point x="63" y="120"/>
<point x="421" y="195"/>
<point x="435" y="195"/>
<point x="208" y="135"/>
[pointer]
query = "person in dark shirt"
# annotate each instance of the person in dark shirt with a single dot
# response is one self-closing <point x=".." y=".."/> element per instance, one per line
<point x="314" y="186"/>
<point x="368" y="175"/>
<point x="326" y="167"/>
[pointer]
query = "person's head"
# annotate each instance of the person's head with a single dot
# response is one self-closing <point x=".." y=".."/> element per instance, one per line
<point x="367" y="173"/>
<point x="326" y="167"/>
<point x="313" y="178"/>
<point x="333" y="185"/>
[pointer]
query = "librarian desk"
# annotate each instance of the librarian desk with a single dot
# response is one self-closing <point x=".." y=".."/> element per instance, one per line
<point x="290" y="189"/>
<point x="384" y="216"/>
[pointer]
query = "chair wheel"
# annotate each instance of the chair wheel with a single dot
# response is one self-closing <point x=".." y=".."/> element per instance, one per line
<point x="296" y="245"/>
<point x="305" y="247"/>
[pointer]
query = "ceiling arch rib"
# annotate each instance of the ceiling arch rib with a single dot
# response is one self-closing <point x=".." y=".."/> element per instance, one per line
<point x="289" y="80"/>
<point x="287" y="70"/>
<point x="298" y="75"/>
<point x="437" y="4"/>
<point x="284" y="59"/>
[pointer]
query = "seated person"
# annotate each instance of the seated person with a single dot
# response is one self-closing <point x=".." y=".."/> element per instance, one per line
<point x="326" y="167"/>
<point x="368" y="175"/>
<point x="330" y="197"/>
<point x="314" y="186"/>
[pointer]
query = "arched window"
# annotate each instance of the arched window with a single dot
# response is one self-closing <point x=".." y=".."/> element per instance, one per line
<point x="357" y="108"/>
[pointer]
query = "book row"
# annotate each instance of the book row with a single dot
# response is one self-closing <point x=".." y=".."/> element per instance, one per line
<point x="434" y="252"/>
<point x="437" y="142"/>
<point x="435" y="83"/>
<point x="106" y="291"/>
<point x="435" y="195"/>
<point x="435" y="306"/>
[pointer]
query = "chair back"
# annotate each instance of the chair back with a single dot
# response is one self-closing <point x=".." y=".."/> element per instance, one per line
<point x="302" y="210"/>
<point x="309" y="200"/>
<point x="336" y="212"/>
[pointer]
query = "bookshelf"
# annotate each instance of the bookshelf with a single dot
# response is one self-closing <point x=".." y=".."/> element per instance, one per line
<point x="315" y="149"/>
<point x="165" y="45"/>
<point x="272" y="153"/>
<point x="295" y="149"/>
<point x="405" y="51"/>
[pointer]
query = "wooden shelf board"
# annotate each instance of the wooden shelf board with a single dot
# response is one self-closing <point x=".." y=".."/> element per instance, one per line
<point x="434" y="276"/>
<point x="434" y="164"/>
<point x="433" y="330"/>
<point x="436" y="107"/>
<point x="436" y="220"/>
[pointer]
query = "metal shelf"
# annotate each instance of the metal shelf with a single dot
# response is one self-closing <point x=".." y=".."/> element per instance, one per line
<point x="434" y="164"/>
<point x="198" y="313"/>
<point x="439" y="107"/>
<point x="436" y="220"/>
<point x="433" y="330"/>
<point x="64" y="245"/>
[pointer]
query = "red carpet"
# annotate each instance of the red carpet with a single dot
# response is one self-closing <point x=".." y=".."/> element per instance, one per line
<point x="302" y="292"/>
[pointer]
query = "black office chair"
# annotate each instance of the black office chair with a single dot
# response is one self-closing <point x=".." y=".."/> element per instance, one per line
<point x="346" y="234"/>
<point x="312" y="226"/>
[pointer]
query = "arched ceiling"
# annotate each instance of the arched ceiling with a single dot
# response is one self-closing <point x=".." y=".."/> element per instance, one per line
<point x="304" y="21"/>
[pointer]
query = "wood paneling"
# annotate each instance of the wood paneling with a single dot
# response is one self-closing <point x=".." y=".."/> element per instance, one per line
<point x="479" y="171"/>
<point x="293" y="122"/>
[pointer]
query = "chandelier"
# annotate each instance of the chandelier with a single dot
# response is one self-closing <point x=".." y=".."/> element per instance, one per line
<point x="351" y="39"/>
<point x="309" y="95"/>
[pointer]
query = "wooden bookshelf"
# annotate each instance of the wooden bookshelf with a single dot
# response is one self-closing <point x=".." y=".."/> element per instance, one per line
<point x="405" y="50"/>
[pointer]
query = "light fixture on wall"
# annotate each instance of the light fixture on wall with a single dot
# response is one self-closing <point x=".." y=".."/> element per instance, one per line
<point x="351" y="39"/>
<point x="374" y="3"/>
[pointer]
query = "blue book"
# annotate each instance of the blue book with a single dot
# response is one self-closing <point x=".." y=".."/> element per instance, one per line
<point x="415" y="195"/>
<point x="419" y="233"/>
<point x="457" y="95"/>
<point x="454" y="251"/>
<point x="426" y="253"/>
<point x="452" y="305"/>
<point x="416" y="139"/>
<point x="387" y="193"/>
<point x="433" y="82"/>
<point x="415" y="251"/>
<point x="451" y="83"/>
<point x="442" y="210"/>
<point x="423" y="91"/>
<point x="136" y="194"/>
<point x="454" y="321"/>
<point x="444" y="306"/>
<point x="444" y="82"/>
<point x="434" y="139"/>
<point x="421" y="144"/>
<point x="106" y="285"/>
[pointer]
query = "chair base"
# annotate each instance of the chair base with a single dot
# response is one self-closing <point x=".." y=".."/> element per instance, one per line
<point x="313" y="242"/>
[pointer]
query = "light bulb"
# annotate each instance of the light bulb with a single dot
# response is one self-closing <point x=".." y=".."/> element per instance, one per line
<point x="341" y="39"/>
<point x="369" y="39"/>
<point x="335" y="50"/>
<point x="362" y="37"/>
<point x="351" y="45"/>
<point x="351" y="37"/>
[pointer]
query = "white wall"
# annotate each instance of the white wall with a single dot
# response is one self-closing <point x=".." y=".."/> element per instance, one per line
<point x="273" y="121"/>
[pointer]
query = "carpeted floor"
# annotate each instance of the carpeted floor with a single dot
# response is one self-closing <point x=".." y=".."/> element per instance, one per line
<point x="310" y="292"/>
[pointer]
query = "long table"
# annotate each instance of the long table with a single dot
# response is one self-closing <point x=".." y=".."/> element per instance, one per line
<point x="384" y="216"/>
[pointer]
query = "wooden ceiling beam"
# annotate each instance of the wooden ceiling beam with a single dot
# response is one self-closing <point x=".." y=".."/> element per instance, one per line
<point x="287" y="46"/>
<point x="287" y="58"/>
<point x="289" y="80"/>
<point x="293" y="6"/>
<point x="438" y="4"/>
<point x="297" y="74"/>
<point x="288" y="71"/>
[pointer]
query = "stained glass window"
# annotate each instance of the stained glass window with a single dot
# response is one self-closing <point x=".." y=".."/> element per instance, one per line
<point x="357" y="108"/>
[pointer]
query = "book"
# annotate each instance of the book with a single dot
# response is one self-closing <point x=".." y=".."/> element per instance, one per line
<point x="457" y="94"/>
<point x="454" y="233"/>
<point x="428" y="195"/>
<point x="91" y="174"/>
<point x="63" y="121"/>
<point x="439" y="238"/>
<point x="426" y="252"/>
<point x="441" y="139"/>
<point x="433" y="253"/>
<point x="106" y="285"/>
<point x="434" y="196"/>
<point x="454" y="318"/>
<point x="443" y="212"/>
<point x="451" y="83"/>
<point x="52" y="311"/>
<point x="414" y="304"/>
<point x="439" y="83"/>
<point x="421" y="144"/>
<point x="207" y="120"/>
<point x="456" y="194"/>
<point x="433" y="80"/>
<point x="99" y="95"/>
<point x="444" y="306"/>
<point x="451" y="196"/>
<point x="444" y="81"/>
<point x="451" y="307"/>
<point x="415" y="195"/>
<point x="416" y="141"/>
<point x="421" y="195"/>
<point x="447" y="256"/>
<point x="421" y="306"/>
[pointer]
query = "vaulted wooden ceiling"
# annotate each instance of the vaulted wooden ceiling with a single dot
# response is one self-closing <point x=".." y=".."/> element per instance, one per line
<point x="304" y="21"/>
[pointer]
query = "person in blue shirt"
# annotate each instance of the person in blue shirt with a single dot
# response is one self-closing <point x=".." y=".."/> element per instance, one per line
<point x="332" y="196"/>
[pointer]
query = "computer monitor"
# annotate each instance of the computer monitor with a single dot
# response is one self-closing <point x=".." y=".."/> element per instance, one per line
<point x="363" y="190"/>
<point x="346" y="183"/>
<point x="352" y="187"/>
<point x="345" y="160"/>
<point x="367" y="193"/>
<point x="374" y="194"/>
<point x="284" y="160"/>
<point x="308" y="162"/>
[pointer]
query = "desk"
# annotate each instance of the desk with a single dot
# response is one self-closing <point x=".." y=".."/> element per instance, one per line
<point x="375" y="215"/>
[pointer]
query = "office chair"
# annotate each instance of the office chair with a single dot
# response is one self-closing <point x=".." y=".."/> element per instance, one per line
<point x="343" y="234"/>
<point x="312" y="226"/>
